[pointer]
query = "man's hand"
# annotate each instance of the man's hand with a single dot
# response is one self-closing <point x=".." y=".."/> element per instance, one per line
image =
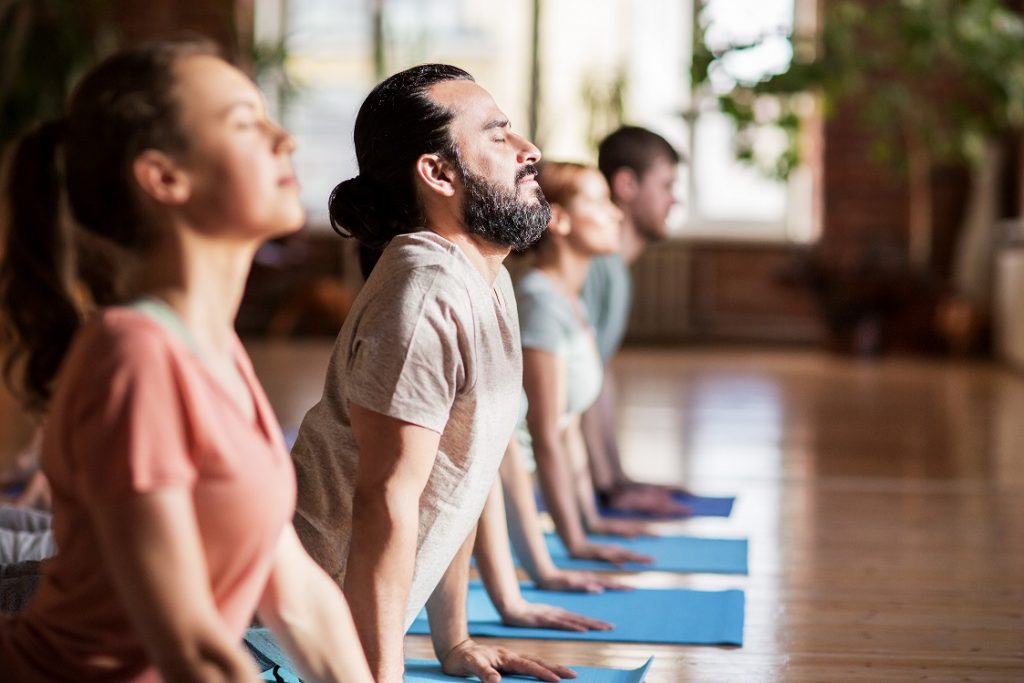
<point x="535" y="615"/>
<point x="469" y="658"/>
<point x="580" y="582"/>
<point x="648" y="499"/>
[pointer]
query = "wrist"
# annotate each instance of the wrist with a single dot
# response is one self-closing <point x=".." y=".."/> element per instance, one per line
<point x="444" y="653"/>
<point x="547" y="573"/>
<point x="446" y="644"/>
<point x="577" y="545"/>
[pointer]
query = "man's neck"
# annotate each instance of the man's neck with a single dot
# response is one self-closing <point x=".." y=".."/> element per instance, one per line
<point x="485" y="256"/>
<point x="633" y="244"/>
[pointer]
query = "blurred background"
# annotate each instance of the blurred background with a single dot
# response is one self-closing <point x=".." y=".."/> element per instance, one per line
<point x="854" y="178"/>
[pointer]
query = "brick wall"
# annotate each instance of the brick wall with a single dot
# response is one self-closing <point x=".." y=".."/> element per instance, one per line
<point x="139" y="21"/>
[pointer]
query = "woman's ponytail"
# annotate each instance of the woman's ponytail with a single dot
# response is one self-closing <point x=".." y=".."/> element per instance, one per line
<point x="38" y="309"/>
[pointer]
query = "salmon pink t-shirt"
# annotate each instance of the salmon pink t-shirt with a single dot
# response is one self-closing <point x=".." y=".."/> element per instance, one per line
<point x="136" y="411"/>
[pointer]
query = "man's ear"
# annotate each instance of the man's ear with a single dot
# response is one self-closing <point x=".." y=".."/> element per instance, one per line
<point x="161" y="178"/>
<point x="625" y="185"/>
<point x="437" y="174"/>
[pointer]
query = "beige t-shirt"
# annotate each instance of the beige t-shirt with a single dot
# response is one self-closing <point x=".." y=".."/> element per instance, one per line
<point x="428" y="341"/>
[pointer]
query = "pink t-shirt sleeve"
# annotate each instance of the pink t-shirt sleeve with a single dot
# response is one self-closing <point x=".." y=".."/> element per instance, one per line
<point x="129" y="430"/>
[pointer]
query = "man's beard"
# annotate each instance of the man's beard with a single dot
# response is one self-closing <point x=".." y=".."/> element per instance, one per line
<point x="504" y="218"/>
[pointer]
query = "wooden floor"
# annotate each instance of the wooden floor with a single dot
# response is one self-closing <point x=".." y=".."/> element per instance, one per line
<point x="883" y="500"/>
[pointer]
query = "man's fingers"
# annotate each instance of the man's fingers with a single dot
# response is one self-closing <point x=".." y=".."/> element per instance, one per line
<point x="594" y="624"/>
<point x="531" y="666"/>
<point x="558" y="670"/>
<point x="521" y="665"/>
<point x="641" y="559"/>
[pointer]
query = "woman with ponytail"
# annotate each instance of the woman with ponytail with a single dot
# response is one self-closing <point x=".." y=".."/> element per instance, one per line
<point x="129" y="230"/>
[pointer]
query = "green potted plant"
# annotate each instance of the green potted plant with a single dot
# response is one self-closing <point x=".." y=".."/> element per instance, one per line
<point x="937" y="81"/>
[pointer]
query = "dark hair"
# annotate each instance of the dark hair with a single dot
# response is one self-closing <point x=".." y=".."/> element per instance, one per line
<point x="57" y="264"/>
<point x="634" y="148"/>
<point x="397" y="123"/>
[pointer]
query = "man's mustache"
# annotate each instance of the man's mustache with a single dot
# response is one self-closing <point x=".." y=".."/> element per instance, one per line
<point x="528" y="169"/>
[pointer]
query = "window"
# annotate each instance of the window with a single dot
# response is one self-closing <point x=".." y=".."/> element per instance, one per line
<point x="727" y="197"/>
<point x="601" y="61"/>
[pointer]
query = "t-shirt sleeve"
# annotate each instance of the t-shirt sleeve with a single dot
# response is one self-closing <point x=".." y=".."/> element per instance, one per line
<point x="539" y="323"/>
<point x="128" y="428"/>
<point x="408" y="356"/>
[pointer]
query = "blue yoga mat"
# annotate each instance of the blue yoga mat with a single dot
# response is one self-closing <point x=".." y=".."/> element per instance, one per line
<point x="700" y="506"/>
<point x="673" y="616"/>
<point x="268" y="656"/>
<point x="671" y="554"/>
<point x="424" y="671"/>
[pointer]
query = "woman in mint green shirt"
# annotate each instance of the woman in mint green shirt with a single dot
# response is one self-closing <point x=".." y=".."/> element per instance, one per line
<point x="562" y="369"/>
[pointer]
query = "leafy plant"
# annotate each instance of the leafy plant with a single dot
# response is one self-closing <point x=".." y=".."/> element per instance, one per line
<point x="949" y="72"/>
<point x="44" y="46"/>
<point x="935" y="80"/>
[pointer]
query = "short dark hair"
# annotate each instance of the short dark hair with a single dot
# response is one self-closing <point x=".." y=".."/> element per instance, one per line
<point x="634" y="148"/>
<point x="396" y="124"/>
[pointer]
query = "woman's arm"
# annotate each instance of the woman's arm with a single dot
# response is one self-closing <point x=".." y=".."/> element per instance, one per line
<point x="544" y="383"/>
<point x="524" y="528"/>
<point x="308" y="614"/>
<point x="576" y="451"/>
<point x="395" y="459"/>
<point x="497" y="571"/>
<point x="150" y="542"/>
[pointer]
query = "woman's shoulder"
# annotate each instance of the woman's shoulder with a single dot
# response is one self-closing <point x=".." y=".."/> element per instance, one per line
<point x="121" y="338"/>
<point x="536" y="291"/>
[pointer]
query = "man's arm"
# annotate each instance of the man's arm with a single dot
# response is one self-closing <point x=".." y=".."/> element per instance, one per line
<point x="459" y="654"/>
<point x="395" y="459"/>
<point x="599" y="433"/>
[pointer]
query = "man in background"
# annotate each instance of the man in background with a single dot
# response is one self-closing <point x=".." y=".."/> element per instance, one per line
<point x="641" y="168"/>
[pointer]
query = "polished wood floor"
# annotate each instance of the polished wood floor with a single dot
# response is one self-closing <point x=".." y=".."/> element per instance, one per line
<point x="883" y="500"/>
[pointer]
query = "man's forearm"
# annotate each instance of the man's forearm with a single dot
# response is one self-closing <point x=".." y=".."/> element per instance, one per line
<point x="446" y="607"/>
<point x="377" y="580"/>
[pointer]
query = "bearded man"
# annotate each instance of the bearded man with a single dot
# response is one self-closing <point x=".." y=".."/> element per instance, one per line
<point x="397" y="459"/>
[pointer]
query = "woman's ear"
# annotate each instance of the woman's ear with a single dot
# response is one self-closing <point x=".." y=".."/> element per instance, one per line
<point x="160" y="178"/>
<point x="559" y="223"/>
<point x="436" y="174"/>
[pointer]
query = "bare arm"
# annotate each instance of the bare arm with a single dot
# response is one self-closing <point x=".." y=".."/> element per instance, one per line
<point x="544" y="382"/>
<point x="150" y="542"/>
<point x="599" y="435"/>
<point x="497" y="570"/>
<point x="598" y="425"/>
<point x="308" y="615"/>
<point x="459" y="654"/>
<point x="572" y="438"/>
<point x="544" y="376"/>
<point x="395" y="459"/>
<point x="527" y="535"/>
